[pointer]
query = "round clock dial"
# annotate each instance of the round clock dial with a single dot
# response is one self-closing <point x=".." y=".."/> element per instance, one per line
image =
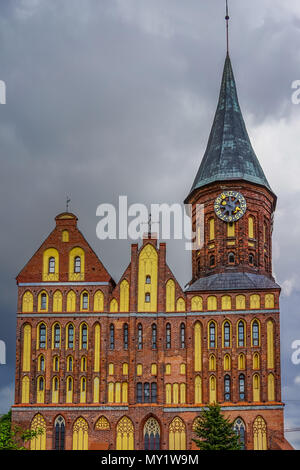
<point x="230" y="206"/>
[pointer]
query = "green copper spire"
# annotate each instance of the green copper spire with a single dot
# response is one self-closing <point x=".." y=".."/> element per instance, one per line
<point x="229" y="154"/>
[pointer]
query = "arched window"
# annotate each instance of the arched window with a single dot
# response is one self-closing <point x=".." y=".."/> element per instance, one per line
<point x="84" y="336"/>
<point x="256" y="387"/>
<point x="198" y="390"/>
<point x="70" y="336"/>
<point x="227" y="362"/>
<point x="55" y="389"/>
<point x="231" y="258"/>
<point x="140" y="336"/>
<point x="212" y="335"/>
<point x="41" y="363"/>
<point x="83" y="364"/>
<point x="56" y="339"/>
<point x="255" y="333"/>
<point x="65" y="236"/>
<point x="182" y="335"/>
<point x="151" y="435"/>
<point x="40" y="390"/>
<point x="251" y="259"/>
<point x="125" y="336"/>
<point x="42" y="336"/>
<point x="43" y="301"/>
<point x="85" y="301"/>
<point x="212" y="362"/>
<point x="239" y="429"/>
<point x="148" y="279"/>
<point x="242" y="387"/>
<point x="168" y="336"/>
<point x="59" y="433"/>
<point x="56" y="364"/>
<point x="70" y="364"/>
<point x="227" y="334"/>
<point x="83" y="390"/>
<point x="212" y="261"/>
<point x="212" y="389"/>
<point x="211" y="229"/>
<point x="38" y="442"/>
<point x="125" y="434"/>
<point x="80" y="434"/>
<point x="242" y="362"/>
<point x="260" y="434"/>
<point x="51" y="266"/>
<point x="27" y="302"/>
<point x="177" y="435"/>
<point x="241" y="334"/>
<point x="147" y="297"/>
<point x="111" y="337"/>
<point x="154" y="336"/>
<point x="69" y="389"/>
<point x="251" y="227"/>
<point x="227" y="388"/>
<point x="77" y="264"/>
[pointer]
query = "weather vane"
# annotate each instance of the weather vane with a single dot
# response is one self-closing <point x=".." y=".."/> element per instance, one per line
<point x="227" y="18"/>
<point x="67" y="203"/>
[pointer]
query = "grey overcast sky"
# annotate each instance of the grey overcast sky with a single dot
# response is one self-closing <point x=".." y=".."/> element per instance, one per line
<point x="117" y="97"/>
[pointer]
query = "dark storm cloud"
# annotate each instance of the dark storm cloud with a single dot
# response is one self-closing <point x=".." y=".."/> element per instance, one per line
<point x="117" y="97"/>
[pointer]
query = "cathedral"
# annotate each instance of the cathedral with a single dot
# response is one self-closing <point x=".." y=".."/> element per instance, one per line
<point x="131" y="364"/>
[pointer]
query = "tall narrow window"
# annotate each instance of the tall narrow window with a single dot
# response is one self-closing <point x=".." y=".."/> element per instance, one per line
<point x="111" y="337"/>
<point x="154" y="336"/>
<point x="42" y="338"/>
<point x="51" y="269"/>
<point x="43" y="301"/>
<point x="70" y="364"/>
<point x="56" y="364"/>
<point x="70" y="336"/>
<point x="148" y="279"/>
<point x="239" y="429"/>
<point x="146" y="392"/>
<point x="242" y="387"/>
<point x="212" y="261"/>
<point x="168" y="336"/>
<point x="59" y="433"/>
<point x="147" y="298"/>
<point x="56" y="336"/>
<point x="125" y="336"/>
<point x="227" y="388"/>
<point x="255" y="333"/>
<point x="139" y="392"/>
<point x="84" y="333"/>
<point x="41" y="367"/>
<point x="153" y="392"/>
<point x="231" y="258"/>
<point x="182" y="335"/>
<point x="227" y="335"/>
<point x="212" y="335"/>
<point x="77" y="264"/>
<point x="241" y="334"/>
<point x="140" y="336"/>
<point x="85" y="301"/>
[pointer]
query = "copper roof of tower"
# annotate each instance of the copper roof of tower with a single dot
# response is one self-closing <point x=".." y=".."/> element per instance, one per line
<point x="229" y="154"/>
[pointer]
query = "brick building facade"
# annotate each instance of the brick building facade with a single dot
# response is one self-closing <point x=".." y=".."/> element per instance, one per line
<point x="129" y="365"/>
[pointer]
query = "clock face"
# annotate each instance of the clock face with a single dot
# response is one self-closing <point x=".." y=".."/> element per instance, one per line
<point x="230" y="206"/>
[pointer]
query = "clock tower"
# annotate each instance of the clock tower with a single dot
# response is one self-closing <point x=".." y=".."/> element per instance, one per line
<point x="238" y="201"/>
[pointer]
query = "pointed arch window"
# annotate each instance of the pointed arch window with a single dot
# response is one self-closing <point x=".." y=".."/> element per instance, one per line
<point x="240" y="430"/>
<point x="56" y="336"/>
<point x="70" y="364"/>
<point x="255" y="333"/>
<point x="139" y="392"/>
<point x="251" y="259"/>
<point x="147" y="298"/>
<point x="85" y="301"/>
<point x="41" y="363"/>
<point x="43" y="301"/>
<point x="77" y="264"/>
<point x="42" y="336"/>
<point x="182" y="336"/>
<point x="241" y="334"/>
<point x="212" y="261"/>
<point x="227" y="388"/>
<point x="59" y="433"/>
<point x="84" y="336"/>
<point x="125" y="336"/>
<point x="231" y="258"/>
<point x="151" y="435"/>
<point x="70" y="336"/>
<point x="146" y="392"/>
<point x="51" y="266"/>
<point x="227" y="339"/>
<point x="242" y="387"/>
<point x="148" y="279"/>
<point x="56" y="364"/>
<point x="212" y="335"/>
<point x="111" y="337"/>
<point x="154" y="336"/>
<point x="168" y="336"/>
<point x="140" y="336"/>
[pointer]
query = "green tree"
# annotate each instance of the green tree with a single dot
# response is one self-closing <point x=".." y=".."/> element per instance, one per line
<point x="13" y="437"/>
<point x="215" y="432"/>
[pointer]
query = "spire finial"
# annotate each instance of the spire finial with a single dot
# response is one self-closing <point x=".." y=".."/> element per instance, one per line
<point x="227" y="18"/>
<point x="67" y="203"/>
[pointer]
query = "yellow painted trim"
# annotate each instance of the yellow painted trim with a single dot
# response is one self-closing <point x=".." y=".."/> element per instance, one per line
<point x="27" y="302"/>
<point x="76" y="252"/>
<point x="40" y="310"/>
<point x="71" y="301"/>
<point x="25" y="389"/>
<point x="148" y="266"/>
<point x="99" y="301"/>
<point x="26" y="348"/>
<point x="197" y="303"/>
<point x="50" y="253"/>
<point x="97" y="352"/>
<point x="124" y="296"/>
<point x="198" y="347"/>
